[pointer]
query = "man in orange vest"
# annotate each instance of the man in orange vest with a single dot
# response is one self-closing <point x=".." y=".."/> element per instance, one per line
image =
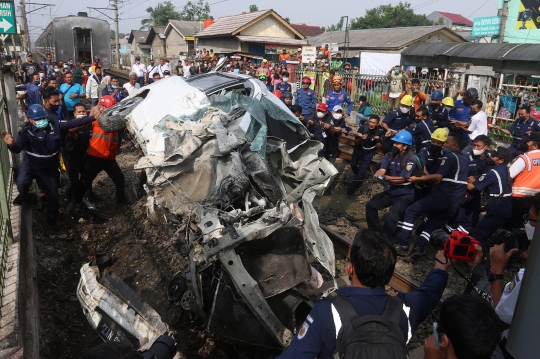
<point x="526" y="175"/>
<point x="102" y="157"/>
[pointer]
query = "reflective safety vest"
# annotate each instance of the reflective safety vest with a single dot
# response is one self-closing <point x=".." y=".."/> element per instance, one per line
<point x="527" y="183"/>
<point x="103" y="144"/>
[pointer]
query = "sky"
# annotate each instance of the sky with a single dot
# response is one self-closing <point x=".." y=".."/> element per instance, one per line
<point x="309" y="12"/>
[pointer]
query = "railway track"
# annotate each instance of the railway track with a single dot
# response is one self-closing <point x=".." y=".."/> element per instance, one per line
<point x="399" y="282"/>
<point x="122" y="76"/>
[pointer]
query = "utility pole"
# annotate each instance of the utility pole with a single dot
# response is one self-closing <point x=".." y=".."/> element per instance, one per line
<point x="116" y="33"/>
<point x="25" y="40"/>
<point x="504" y="17"/>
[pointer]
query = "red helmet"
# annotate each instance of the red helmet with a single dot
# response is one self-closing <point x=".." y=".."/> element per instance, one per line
<point x="306" y="80"/>
<point x="322" y="107"/>
<point x="278" y="94"/>
<point x="107" y="101"/>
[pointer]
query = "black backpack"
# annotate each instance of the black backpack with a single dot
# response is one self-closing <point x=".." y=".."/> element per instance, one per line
<point x="370" y="336"/>
<point x="419" y="166"/>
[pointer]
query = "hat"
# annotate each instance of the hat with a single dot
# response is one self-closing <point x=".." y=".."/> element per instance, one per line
<point x="29" y="54"/>
<point x="500" y="152"/>
<point x="534" y="136"/>
<point x="322" y="107"/>
<point x="337" y="108"/>
<point x="96" y="57"/>
<point x="265" y="61"/>
<point x="299" y="49"/>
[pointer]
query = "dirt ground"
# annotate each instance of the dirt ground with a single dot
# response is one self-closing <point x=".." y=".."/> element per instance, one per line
<point x="146" y="255"/>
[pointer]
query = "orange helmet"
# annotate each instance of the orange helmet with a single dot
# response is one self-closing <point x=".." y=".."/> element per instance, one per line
<point x="322" y="107"/>
<point x="107" y="101"/>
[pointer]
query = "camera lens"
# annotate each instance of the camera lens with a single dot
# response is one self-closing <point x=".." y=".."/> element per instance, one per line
<point x="438" y="238"/>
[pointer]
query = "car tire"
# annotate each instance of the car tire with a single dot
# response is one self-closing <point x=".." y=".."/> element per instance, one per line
<point x="114" y="118"/>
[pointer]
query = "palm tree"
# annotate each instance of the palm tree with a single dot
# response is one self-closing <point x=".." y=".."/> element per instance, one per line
<point x="146" y="23"/>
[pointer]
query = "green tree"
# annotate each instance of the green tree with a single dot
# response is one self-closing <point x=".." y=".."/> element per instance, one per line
<point x="334" y="27"/>
<point x="253" y="8"/>
<point x="195" y="11"/>
<point x="113" y="34"/>
<point x="160" y="15"/>
<point x="288" y="20"/>
<point x="385" y="16"/>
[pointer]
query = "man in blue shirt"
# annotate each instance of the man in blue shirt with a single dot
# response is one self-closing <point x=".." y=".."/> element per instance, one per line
<point x="461" y="113"/>
<point x="33" y="91"/>
<point x="371" y="266"/>
<point x="338" y="97"/>
<point x="423" y="128"/>
<point x="397" y="120"/>
<point x="72" y="93"/>
<point x="306" y="98"/>
<point x="284" y="86"/>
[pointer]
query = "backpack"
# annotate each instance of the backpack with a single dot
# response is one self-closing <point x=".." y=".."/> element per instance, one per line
<point x="418" y="169"/>
<point x="370" y="336"/>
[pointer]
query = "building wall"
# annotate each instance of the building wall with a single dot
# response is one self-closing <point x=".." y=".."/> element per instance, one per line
<point x="518" y="32"/>
<point x="269" y="26"/>
<point x="158" y="48"/>
<point x="435" y="16"/>
<point x="175" y="44"/>
<point x="220" y="45"/>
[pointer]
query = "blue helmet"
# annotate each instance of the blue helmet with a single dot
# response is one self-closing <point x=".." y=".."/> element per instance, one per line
<point x="404" y="137"/>
<point x="36" y="112"/>
<point x="437" y="95"/>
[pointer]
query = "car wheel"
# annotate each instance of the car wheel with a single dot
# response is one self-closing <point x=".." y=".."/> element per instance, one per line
<point x="114" y="118"/>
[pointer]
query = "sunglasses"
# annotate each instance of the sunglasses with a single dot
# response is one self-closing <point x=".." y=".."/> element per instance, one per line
<point x="527" y="218"/>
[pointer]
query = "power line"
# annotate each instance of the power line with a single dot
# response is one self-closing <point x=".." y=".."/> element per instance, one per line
<point x="481" y="6"/>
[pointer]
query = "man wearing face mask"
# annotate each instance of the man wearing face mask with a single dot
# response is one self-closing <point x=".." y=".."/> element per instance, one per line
<point x="443" y="202"/>
<point x="306" y="98"/>
<point x="519" y="129"/>
<point x="284" y="86"/>
<point x="423" y="128"/>
<point x="496" y="182"/>
<point x="33" y="90"/>
<point x="437" y="112"/>
<point x="366" y="139"/>
<point x="338" y="127"/>
<point x="320" y="127"/>
<point x="338" y="97"/>
<point x="41" y="139"/>
<point x="431" y="156"/>
<point x="526" y="174"/>
<point x="396" y="76"/>
<point x="397" y="120"/>
<point x="114" y="90"/>
<point x="140" y="70"/>
<point x="397" y="167"/>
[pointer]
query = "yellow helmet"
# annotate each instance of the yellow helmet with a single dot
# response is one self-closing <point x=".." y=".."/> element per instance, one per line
<point x="448" y="101"/>
<point x="440" y="134"/>
<point x="407" y="100"/>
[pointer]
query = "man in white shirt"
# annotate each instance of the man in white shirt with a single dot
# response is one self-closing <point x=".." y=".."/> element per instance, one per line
<point x="140" y="71"/>
<point x="132" y="86"/>
<point x="477" y="126"/>
<point x="187" y="67"/>
<point x="163" y="67"/>
<point x="151" y="70"/>
<point x="92" y="87"/>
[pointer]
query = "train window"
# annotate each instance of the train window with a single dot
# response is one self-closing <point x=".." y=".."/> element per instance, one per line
<point x="83" y="44"/>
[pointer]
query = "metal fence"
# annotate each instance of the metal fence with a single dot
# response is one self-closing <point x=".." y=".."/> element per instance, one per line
<point x="375" y="86"/>
<point x="6" y="183"/>
<point x="127" y="60"/>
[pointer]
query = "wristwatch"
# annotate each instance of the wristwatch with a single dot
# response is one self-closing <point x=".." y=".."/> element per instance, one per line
<point x="492" y="277"/>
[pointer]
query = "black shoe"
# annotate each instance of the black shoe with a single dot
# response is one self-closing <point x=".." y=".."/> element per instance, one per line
<point x="416" y="253"/>
<point x="402" y="251"/>
<point x="53" y="224"/>
<point x="19" y="200"/>
<point x="350" y="194"/>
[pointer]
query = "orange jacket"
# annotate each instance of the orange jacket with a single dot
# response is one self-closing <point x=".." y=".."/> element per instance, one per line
<point x="103" y="144"/>
<point x="418" y="100"/>
<point x="527" y="183"/>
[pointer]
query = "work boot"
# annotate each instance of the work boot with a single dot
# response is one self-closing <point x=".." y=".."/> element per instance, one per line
<point x="19" y="200"/>
<point x="53" y="224"/>
<point x="416" y="253"/>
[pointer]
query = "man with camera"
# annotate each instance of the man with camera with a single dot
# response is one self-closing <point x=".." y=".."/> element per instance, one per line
<point x="372" y="264"/>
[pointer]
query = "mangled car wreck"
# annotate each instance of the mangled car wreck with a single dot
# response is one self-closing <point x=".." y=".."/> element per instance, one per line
<point x="235" y="174"/>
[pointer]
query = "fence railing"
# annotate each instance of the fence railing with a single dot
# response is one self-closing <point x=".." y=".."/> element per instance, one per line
<point x="6" y="185"/>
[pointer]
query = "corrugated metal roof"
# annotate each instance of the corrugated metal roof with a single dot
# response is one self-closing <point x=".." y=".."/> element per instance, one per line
<point x="226" y="25"/>
<point x="138" y="36"/>
<point x="391" y="38"/>
<point x="456" y="19"/>
<point x="307" y="30"/>
<point x="272" y="40"/>
<point x="186" y="28"/>
<point x="469" y="50"/>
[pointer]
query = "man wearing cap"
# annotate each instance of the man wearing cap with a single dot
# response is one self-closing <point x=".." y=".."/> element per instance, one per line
<point x="320" y="127"/>
<point x="396" y="168"/>
<point x="339" y="126"/>
<point x="306" y="98"/>
<point x="437" y="112"/>
<point x="397" y="120"/>
<point x="140" y="70"/>
<point x="526" y="174"/>
<point x="338" y="97"/>
<point x="423" y="128"/>
<point x="496" y="183"/>
<point x="29" y="68"/>
<point x="396" y="76"/>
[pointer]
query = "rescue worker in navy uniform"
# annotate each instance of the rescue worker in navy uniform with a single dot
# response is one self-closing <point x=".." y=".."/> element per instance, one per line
<point x="320" y="127"/>
<point x="338" y="97"/>
<point x="287" y="100"/>
<point x="496" y="182"/>
<point x="284" y="86"/>
<point x="431" y="157"/>
<point x="396" y="167"/>
<point x="306" y="98"/>
<point x="41" y="140"/>
<point x="437" y="112"/>
<point x="367" y="137"/>
<point x="519" y="129"/>
<point x="468" y="214"/>
<point x="101" y="153"/>
<point x="461" y="113"/>
<point x="423" y="128"/>
<point x="372" y="264"/>
<point x="442" y="203"/>
<point x="338" y="127"/>
<point x="397" y="120"/>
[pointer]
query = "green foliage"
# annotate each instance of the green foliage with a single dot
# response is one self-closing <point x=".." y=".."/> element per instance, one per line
<point x="288" y="19"/>
<point x="385" y="16"/>
<point x="160" y="15"/>
<point x="253" y="8"/>
<point x="113" y="34"/>
<point x="336" y="27"/>
<point x="195" y="11"/>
